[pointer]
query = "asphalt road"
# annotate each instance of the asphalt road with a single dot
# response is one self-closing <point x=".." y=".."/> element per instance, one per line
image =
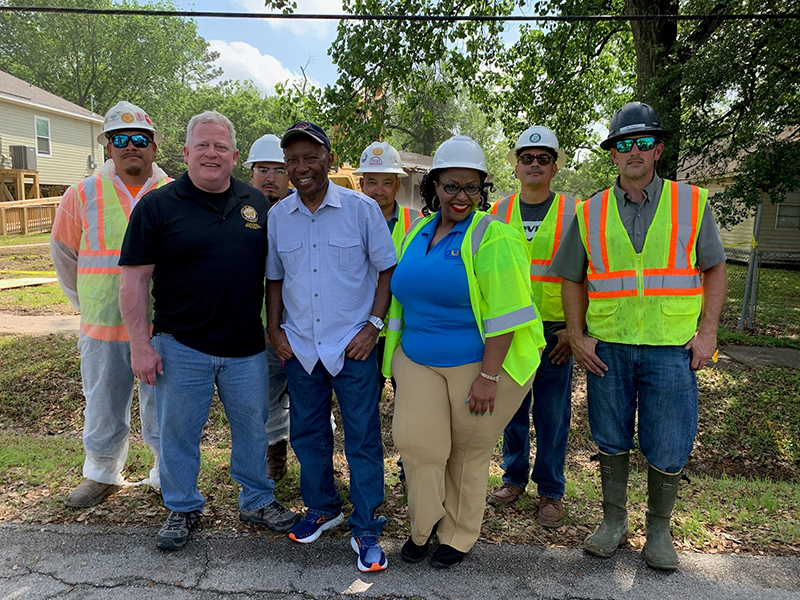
<point x="38" y="562"/>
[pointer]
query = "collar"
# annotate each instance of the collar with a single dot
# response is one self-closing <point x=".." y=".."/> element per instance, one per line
<point x="331" y="199"/>
<point x="396" y="215"/>
<point x="460" y="227"/>
<point x="652" y="191"/>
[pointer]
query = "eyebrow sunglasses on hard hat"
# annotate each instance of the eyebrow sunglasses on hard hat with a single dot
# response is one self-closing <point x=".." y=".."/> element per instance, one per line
<point x="542" y="159"/>
<point x="644" y="144"/>
<point x="120" y="140"/>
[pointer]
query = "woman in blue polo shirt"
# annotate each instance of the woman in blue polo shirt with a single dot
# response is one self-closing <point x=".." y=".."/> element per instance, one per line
<point x="463" y="345"/>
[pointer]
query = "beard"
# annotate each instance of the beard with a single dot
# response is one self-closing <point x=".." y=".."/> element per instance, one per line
<point x="133" y="170"/>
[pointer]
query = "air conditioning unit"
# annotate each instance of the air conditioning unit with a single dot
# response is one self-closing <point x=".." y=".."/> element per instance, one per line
<point x="23" y="157"/>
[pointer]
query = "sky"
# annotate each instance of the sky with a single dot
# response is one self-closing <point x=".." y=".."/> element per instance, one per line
<point x="269" y="51"/>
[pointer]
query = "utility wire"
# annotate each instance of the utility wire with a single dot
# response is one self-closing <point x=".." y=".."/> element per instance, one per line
<point x="437" y="18"/>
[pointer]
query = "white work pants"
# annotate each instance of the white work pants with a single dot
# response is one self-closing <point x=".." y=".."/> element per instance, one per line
<point x="108" y="388"/>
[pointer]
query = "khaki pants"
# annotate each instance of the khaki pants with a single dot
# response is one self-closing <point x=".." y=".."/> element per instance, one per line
<point x="446" y="450"/>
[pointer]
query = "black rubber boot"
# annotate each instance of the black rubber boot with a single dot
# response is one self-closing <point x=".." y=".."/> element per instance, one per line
<point x="613" y="531"/>
<point x="662" y="490"/>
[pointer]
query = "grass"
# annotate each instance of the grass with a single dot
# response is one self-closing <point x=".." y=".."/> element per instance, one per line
<point x="33" y="238"/>
<point x="744" y="494"/>
<point x="16" y="263"/>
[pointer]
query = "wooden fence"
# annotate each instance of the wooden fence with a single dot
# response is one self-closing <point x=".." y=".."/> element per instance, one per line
<point x="28" y="216"/>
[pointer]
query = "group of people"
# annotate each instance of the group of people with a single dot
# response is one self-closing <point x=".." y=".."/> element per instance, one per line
<point x="475" y="310"/>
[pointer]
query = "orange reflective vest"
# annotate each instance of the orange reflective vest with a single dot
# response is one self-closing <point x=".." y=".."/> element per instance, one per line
<point x="545" y="284"/>
<point x="404" y="220"/>
<point x="654" y="297"/>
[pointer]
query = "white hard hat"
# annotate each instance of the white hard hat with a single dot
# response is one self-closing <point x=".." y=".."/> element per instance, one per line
<point x="267" y="148"/>
<point x="460" y="151"/>
<point x="380" y="157"/>
<point x="124" y="115"/>
<point x="537" y="137"/>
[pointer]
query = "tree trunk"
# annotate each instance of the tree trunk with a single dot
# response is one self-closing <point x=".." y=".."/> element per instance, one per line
<point x="657" y="72"/>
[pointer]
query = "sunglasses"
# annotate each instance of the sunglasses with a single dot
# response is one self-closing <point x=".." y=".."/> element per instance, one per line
<point x="542" y="159"/>
<point x="121" y="140"/>
<point x="470" y="190"/>
<point x="644" y="144"/>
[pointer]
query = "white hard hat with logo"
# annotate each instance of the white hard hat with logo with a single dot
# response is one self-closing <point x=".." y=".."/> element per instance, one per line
<point x="460" y="151"/>
<point x="124" y="115"/>
<point x="537" y="137"/>
<point x="267" y="148"/>
<point x="380" y="157"/>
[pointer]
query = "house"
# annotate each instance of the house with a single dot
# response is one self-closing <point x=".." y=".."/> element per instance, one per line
<point x="416" y="165"/>
<point x="61" y="135"/>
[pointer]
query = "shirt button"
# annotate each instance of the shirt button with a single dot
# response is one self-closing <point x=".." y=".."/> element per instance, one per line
<point x="315" y="270"/>
<point x="313" y="220"/>
<point x="638" y="233"/>
<point x="313" y="245"/>
<point x="316" y="295"/>
<point x="319" y="343"/>
<point x="317" y="320"/>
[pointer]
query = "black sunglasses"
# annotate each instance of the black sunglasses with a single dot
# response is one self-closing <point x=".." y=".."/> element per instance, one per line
<point x="542" y="159"/>
<point x="120" y="140"/>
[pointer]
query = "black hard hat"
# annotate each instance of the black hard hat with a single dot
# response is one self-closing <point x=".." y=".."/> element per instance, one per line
<point x="633" y="119"/>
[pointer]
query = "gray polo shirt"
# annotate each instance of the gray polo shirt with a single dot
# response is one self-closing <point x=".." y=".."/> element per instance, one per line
<point x="571" y="261"/>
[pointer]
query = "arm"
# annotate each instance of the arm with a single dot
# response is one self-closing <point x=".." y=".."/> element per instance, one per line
<point x="65" y="241"/>
<point x="482" y="392"/>
<point x="704" y="343"/>
<point x="360" y="347"/>
<point x="575" y="300"/>
<point x="134" y="303"/>
<point x="277" y="336"/>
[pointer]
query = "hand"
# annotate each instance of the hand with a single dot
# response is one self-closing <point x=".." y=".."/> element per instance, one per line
<point x="280" y="344"/>
<point x="146" y="363"/>
<point x="360" y="347"/>
<point x="562" y="350"/>
<point x="583" y="349"/>
<point x="703" y="347"/>
<point x="481" y="396"/>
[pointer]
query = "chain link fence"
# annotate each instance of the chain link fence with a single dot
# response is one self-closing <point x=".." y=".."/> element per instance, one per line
<point x="764" y="295"/>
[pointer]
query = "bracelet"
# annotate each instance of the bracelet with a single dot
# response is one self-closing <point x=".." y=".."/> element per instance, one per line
<point x="494" y="378"/>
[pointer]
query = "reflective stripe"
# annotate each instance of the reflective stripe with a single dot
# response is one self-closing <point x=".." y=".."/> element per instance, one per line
<point x="507" y="321"/>
<point x="394" y="324"/>
<point x="480" y="231"/>
<point x="671" y="282"/>
<point x="88" y="194"/>
<point x="92" y="261"/>
<point x="405" y="237"/>
<point x="594" y="211"/>
<point x="539" y="270"/>
<point x="614" y="284"/>
<point x="407" y="220"/>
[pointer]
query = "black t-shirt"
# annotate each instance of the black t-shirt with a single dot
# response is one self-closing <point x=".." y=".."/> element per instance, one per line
<point x="533" y="215"/>
<point x="208" y="281"/>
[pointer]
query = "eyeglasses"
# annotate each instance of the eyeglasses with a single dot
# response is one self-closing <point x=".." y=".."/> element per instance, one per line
<point x="264" y="171"/>
<point x="644" y="144"/>
<point x="120" y="140"/>
<point x="542" y="159"/>
<point x="453" y="190"/>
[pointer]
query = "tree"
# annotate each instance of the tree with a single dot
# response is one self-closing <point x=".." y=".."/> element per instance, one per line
<point x="97" y="60"/>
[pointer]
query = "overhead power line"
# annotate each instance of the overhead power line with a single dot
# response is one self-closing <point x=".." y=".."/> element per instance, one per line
<point x="348" y="17"/>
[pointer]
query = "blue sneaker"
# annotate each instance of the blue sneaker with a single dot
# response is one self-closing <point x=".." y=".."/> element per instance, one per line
<point x="312" y="526"/>
<point x="370" y="553"/>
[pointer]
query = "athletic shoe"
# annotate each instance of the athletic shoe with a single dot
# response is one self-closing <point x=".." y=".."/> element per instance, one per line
<point x="174" y="534"/>
<point x="273" y="515"/>
<point x="370" y="553"/>
<point x="312" y="526"/>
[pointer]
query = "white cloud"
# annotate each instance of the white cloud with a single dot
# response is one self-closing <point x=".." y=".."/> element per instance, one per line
<point x="317" y="28"/>
<point x="240" y="60"/>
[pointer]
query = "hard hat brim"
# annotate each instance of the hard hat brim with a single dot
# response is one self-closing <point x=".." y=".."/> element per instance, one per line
<point x="399" y="172"/>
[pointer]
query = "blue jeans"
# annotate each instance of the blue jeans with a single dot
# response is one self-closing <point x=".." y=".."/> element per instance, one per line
<point x="183" y="399"/>
<point x="552" y="410"/>
<point x="356" y="388"/>
<point x="278" y="422"/>
<point x="658" y="381"/>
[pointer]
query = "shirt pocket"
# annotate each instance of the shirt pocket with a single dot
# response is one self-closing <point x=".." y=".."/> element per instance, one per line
<point x="345" y="251"/>
<point x="290" y="252"/>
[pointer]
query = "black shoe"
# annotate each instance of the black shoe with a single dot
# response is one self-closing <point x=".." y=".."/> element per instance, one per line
<point x="174" y="534"/>
<point x="446" y="557"/>
<point x="274" y="515"/>
<point x="411" y="553"/>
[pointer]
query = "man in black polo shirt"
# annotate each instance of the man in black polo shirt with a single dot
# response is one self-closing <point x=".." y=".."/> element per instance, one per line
<point x="203" y="241"/>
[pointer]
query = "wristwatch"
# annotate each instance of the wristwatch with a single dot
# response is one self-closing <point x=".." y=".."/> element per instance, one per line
<point x="377" y="322"/>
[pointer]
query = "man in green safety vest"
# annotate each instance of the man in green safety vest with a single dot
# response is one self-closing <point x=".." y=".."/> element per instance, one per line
<point x="644" y="282"/>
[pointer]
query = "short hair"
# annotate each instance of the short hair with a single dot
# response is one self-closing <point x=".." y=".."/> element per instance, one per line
<point x="428" y="191"/>
<point x="210" y="116"/>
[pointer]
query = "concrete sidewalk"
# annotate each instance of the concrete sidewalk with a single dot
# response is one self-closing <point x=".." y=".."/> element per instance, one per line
<point x="86" y="562"/>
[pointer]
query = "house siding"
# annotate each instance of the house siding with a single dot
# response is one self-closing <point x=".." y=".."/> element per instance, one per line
<point x="72" y="141"/>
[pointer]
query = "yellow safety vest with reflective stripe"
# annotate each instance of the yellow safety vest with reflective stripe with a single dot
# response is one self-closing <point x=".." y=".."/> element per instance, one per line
<point x="545" y="284"/>
<point x="652" y="298"/>
<point x="404" y="221"/>
<point x="106" y="208"/>
<point x="498" y="292"/>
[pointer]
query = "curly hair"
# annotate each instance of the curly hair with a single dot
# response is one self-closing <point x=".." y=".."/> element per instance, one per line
<point x="428" y="191"/>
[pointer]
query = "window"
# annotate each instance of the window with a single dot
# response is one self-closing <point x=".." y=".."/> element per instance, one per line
<point x="788" y="215"/>
<point x="42" y="136"/>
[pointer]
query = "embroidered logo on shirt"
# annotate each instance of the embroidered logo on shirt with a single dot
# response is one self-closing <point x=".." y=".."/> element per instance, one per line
<point x="249" y="213"/>
<point x="454" y="253"/>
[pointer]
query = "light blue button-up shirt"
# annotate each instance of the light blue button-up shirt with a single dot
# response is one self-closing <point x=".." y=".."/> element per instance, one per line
<point x="329" y="263"/>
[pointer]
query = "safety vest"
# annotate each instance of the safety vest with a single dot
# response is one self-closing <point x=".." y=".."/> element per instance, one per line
<point x="545" y="284"/>
<point x="502" y="309"/>
<point x="404" y="220"/>
<point x="105" y="210"/>
<point x="652" y="298"/>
